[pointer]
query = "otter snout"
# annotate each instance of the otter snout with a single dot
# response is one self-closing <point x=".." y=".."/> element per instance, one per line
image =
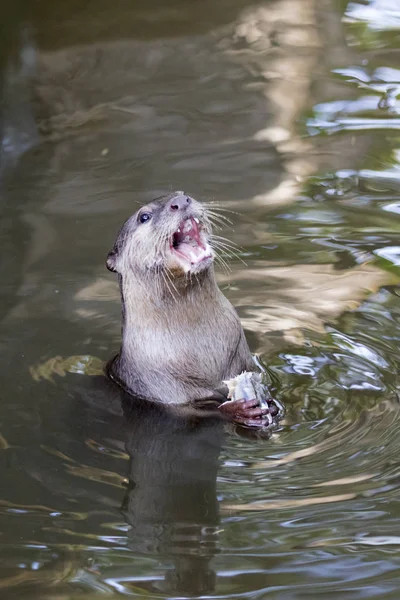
<point x="179" y="202"/>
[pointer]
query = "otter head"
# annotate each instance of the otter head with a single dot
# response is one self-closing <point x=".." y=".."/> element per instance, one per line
<point x="169" y="236"/>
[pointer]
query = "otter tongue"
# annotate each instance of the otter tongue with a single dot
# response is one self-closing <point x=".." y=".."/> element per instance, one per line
<point x="187" y="241"/>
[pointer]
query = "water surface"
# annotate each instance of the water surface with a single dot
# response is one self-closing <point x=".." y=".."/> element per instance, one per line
<point x="287" y="113"/>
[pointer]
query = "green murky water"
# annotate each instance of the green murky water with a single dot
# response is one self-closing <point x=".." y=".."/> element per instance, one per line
<point x="286" y="112"/>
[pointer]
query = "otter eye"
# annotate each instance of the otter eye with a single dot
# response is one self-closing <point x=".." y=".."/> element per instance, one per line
<point x="144" y="217"/>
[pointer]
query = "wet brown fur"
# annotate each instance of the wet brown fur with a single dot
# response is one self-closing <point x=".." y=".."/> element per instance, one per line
<point x="180" y="336"/>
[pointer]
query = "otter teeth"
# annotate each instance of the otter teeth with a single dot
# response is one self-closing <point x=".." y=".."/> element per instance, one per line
<point x="187" y="226"/>
<point x="189" y="244"/>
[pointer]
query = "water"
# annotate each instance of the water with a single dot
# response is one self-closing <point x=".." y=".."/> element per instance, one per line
<point x="288" y="114"/>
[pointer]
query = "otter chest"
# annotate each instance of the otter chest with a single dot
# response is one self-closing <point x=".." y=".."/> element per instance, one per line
<point x="201" y="346"/>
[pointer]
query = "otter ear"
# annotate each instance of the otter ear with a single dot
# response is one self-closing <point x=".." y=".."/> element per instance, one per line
<point x="112" y="261"/>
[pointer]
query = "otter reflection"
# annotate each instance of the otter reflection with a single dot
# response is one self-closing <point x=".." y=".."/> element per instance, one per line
<point x="171" y="501"/>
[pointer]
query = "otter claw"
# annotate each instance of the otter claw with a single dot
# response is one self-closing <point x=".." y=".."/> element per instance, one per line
<point x="253" y="422"/>
<point x="243" y="412"/>
<point x="243" y="408"/>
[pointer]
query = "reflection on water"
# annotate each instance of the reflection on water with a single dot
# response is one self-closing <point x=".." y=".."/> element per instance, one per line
<point x="171" y="506"/>
<point x="287" y="113"/>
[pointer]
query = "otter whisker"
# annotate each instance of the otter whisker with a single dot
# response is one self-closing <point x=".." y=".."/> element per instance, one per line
<point x="223" y="241"/>
<point x="227" y="242"/>
<point x="160" y="242"/>
<point x="213" y="211"/>
<point x="167" y="284"/>
<point x="219" y="211"/>
<point x="166" y="273"/>
<point x="225" y="266"/>
<point x="219" y="249"/>
<point x="155" y="252"/>
<point x="228" y="252"/>
<point x="199" y="283"/>
<point x="219" y="206"/>
<point x="220" y="218"/>
<point x="215" y="224"/>
<point x="159" y="279"/>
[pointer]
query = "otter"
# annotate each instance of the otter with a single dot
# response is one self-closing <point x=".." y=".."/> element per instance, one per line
<point x="181" y="337"/>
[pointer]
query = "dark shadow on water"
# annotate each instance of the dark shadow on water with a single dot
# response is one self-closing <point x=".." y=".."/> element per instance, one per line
<point x="171" y="502"/>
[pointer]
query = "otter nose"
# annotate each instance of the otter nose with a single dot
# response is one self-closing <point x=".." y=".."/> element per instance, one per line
<point x="180" y="201"/>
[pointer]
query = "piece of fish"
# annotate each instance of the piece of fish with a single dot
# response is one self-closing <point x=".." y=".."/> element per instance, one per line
<point x="249" y="385"/>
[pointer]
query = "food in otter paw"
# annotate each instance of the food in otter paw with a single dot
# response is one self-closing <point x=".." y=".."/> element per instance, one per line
<point x="249" y="386"/>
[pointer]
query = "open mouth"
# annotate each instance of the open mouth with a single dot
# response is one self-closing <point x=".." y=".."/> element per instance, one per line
<point x="189" y="243"/>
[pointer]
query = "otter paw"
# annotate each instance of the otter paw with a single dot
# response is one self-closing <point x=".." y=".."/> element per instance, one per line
<point x="247" y="412"/>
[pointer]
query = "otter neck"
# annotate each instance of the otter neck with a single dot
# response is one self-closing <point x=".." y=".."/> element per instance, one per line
<point x="149" y="299"/>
